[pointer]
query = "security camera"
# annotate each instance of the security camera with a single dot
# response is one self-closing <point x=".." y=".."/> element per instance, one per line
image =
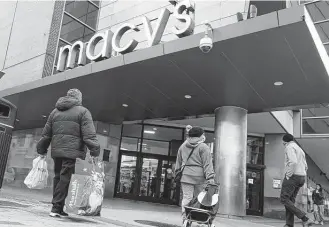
<point x="206" y="42"/>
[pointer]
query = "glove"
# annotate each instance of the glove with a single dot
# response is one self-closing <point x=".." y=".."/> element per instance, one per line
<point x="211" y="181"/>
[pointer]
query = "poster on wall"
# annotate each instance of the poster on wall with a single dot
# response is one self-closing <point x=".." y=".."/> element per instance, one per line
<point x="276" y="183"/>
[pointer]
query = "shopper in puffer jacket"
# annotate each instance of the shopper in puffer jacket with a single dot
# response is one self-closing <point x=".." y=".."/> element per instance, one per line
<point x="69" y="130"/>
<point x="198" y="169"/>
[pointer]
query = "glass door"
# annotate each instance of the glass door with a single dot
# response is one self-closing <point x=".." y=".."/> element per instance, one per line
<point x="254" y="192"/>
<point x="149" y="182"/>
<point x="156" y="180"/>
<point x="127" y="182"/>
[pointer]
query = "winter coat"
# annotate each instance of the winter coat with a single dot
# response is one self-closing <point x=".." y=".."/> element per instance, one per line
<point x="69" y="130"/>
<point x="318" y="198"/>
<point x="199" y="168"/>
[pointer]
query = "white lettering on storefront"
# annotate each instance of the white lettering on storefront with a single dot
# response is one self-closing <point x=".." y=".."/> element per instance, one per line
<point x="118" y="35"/>
<point x="154" y="37"/>
<point x="67" y="55"/>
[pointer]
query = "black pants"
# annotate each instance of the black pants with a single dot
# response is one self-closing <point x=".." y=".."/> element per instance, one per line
<point x="289" y="193"/>
<point x="64" y="168"/>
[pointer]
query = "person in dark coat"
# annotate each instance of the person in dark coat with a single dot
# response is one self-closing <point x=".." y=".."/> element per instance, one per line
<point x="318" y="200"/>
<point x="69" y="130"/>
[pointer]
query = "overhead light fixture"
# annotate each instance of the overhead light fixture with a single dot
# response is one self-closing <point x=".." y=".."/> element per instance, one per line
<point x="155" y="129"/>
<point x="17" y="120"/>
<point x="44" y="116"/>
<point x="124" y="149"/>
<point x="278" y="83"/>
<point x="125" y="105"/>
<point x="149" y="132"/>
<point x="188" y="96"/>
<point x="105" y="131"/>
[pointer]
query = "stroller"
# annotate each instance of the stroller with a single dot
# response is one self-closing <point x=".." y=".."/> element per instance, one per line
<point x="204" y="207"/>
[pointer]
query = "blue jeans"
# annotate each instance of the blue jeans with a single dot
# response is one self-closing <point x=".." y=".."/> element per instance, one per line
<point x="288" y="196"/>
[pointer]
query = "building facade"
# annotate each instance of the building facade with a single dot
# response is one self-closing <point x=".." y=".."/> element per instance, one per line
<point x="139" y="146"/>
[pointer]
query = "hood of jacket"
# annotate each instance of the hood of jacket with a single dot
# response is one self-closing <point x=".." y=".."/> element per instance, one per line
<point x="67" y="102"/>
<point x="192" y="142"/>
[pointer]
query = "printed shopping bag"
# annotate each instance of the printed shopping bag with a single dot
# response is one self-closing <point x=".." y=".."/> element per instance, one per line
<point x="86" y="193"/>
<point x="38" y="176"/>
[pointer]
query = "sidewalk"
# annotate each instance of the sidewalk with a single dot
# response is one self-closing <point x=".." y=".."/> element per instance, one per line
<point x="27" y="206"/>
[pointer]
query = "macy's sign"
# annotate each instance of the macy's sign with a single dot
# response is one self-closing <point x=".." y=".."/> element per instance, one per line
<point x="111" y="40"/>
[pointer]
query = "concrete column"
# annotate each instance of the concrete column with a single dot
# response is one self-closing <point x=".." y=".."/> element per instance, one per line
<point x="230" y="159"/>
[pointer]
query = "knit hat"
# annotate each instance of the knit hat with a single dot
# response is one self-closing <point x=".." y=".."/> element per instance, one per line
<point x="195" y="132"/>
<point x="288" y="138"/>
<point x="75" y="93"/>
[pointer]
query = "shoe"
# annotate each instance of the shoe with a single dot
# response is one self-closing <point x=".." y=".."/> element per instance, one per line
<point x="321" y="223"/>
<point x="54" y="214"/>
<point x="309" y="222"/>
<point x="64" y="214"/>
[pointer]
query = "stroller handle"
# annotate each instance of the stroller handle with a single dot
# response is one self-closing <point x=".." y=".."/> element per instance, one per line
<point x="213" y="185"/>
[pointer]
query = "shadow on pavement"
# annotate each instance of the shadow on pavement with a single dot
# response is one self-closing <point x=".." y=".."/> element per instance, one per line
<point x="78" y="220"/>
<point x="154" y="223"/>
<point x="12" y="204"/>
<point x="10" y="223"/>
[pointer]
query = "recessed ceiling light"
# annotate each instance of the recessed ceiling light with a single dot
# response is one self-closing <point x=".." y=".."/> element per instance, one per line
<point x="105" y="131"/>
<point x="155" y="129"/>
<point x="278" y="83"/>
<point x="188" y="96"/>
<point x="149" y="132"/>
<point x="44" y="116"/>
<point x="17" y="120"/>
<point x="125" y="105"/>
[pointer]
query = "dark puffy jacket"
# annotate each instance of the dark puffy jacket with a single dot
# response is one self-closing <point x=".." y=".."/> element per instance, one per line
<point x="318" y="198"/>
<point x="69" y="129"/>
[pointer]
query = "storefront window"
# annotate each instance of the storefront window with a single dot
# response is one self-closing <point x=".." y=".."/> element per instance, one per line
<point x="155" y="147"/>
<point x="130" y="144"/>
<point x="162" y="133"/>
<point x="131" y="137"/>
<point x="79" y="22"/>
<point x="255" y="151"/>
<point x="132" y="130"/>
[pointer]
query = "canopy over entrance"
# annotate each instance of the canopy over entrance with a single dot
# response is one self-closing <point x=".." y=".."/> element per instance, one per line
<point x="247" y="59"/>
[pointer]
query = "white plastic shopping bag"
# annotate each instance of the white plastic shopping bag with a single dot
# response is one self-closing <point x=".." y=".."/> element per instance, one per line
<point x="38" y="176"/>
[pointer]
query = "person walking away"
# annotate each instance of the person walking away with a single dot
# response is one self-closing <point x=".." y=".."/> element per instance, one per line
<point x="318" y="201"/>
<point x="295" y="173"/>
<point x="69" y="130"/>
<point x="195" y="155"/>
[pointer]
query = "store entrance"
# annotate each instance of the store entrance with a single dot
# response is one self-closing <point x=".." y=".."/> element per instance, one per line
<point x="147" y="162"/>
<point x="254" y="192"/>
<point x="147" y="177"/>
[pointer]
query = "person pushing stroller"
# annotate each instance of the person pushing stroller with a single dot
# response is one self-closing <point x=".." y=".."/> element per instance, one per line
<point x="194" y="163"/>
